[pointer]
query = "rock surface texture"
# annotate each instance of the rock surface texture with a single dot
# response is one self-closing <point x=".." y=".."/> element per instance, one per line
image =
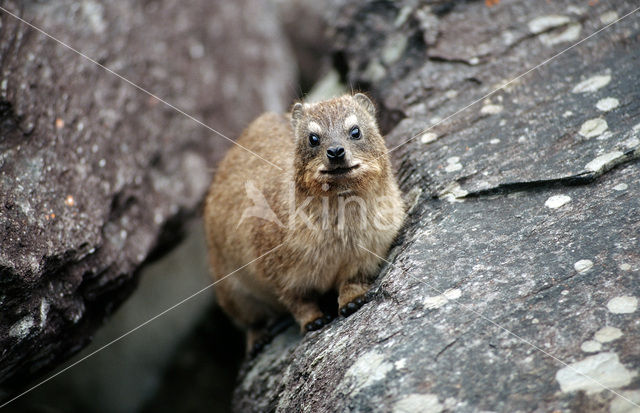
<point x="515" y="285"/>
<point x="96" y="176"/>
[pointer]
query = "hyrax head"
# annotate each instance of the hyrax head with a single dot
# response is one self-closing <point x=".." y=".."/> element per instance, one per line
<point x="338" y="145"/>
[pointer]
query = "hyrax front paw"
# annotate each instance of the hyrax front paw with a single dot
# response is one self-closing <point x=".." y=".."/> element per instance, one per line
<point x="352" y="306"/>
<point x="318" y="323"/>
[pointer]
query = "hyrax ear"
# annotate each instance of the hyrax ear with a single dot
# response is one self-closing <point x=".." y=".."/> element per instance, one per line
<point x="296" y="114"/>
<point x="366" y="103"/>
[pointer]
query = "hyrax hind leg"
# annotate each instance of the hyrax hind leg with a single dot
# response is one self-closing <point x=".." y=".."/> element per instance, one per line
<point x="248" y="311"/>
<point x="351" y="295"/>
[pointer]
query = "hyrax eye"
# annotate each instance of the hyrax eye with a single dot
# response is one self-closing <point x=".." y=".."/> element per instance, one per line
<point x="314" y="140"/>
<point x="354" y="133"/>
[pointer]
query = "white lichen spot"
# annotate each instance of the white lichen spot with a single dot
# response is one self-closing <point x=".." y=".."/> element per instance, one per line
<point x="624" y="304"/>
<point x="583" y="266"/>
<point x="575" y="10"/>
<point x="621" y="187"/>
<point x="428" y="137"/>
<point x="592" y="84"/>
<point x="451" y="403"/>
<point x="608" y="17"/>
<point x="607" y="334"/>
<point x="394" y="49"/>
<point x="624" y="266"/>
<point x="451" y="93"/>
<point x="374" y="71"/>
<point x="438" y="301"/>
<point x="603" y="161"/>
<point x="556" y="201"/>
<point x="453" y="193"/>
<point x="593" y="128"/>
<point x="567" y="114"/>
<point x="544" y="23"/>
<point x="591" y="346"/>
<point x="196" y="50"/>
<point x="494" y="141"/>
<point x="21" y="329"/>
<point x="607" y="104"/>
<point x="102" y="163"/>
<point x="368" y="369"/>
<point x="594" y="372"/>
<point x="400" y="364"/>
<point x="491" y="109"/>
<point x="94" y="13"/>
<point x="622" y="405"/>
<point x="632" y="142"/>
<point x="453" y="164"/>
<point x="474" y="61"/>
<point x="571" y="33"/>
<point x="413" y="198"/>
<point x="418" y="403"/>
<point x="44" y="310"/>
<point x="403" y="16"/>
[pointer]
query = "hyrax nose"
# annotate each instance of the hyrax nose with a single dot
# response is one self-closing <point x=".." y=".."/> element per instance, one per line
<point x="335" y="154"/>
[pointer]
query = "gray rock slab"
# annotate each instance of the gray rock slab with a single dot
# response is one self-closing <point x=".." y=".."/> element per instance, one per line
<point x="524" y="232"/>
<point x="96" y="176"/>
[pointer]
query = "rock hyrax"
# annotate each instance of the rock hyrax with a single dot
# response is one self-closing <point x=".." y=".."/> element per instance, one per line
<point x="291" y="235"/>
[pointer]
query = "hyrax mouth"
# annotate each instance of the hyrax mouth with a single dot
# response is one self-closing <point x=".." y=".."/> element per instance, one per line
<point x="342" y="170"/>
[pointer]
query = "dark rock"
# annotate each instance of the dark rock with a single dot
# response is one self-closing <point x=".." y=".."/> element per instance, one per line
<point x="523" y="232"/>
<point x="306" y="31"/>
<point x="96" y="176"/>
<point x="202" y="370"/>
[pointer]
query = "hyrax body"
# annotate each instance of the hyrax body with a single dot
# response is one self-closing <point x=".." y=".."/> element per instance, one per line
<point x="281" y="238"/>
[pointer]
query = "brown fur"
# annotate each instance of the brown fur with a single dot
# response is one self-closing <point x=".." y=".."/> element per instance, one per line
<point x="307" y="261"/>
